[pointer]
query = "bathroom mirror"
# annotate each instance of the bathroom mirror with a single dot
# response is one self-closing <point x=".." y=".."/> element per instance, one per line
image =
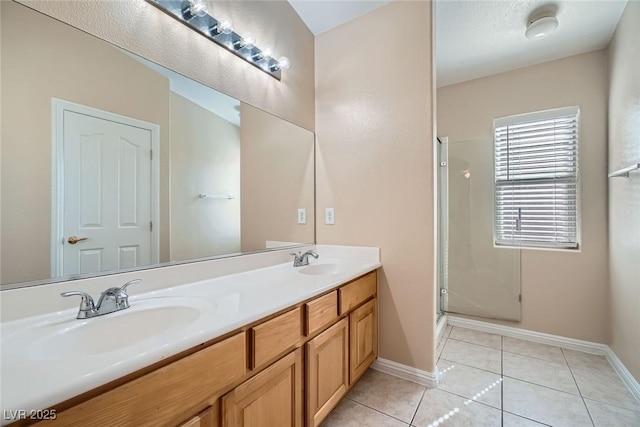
<point x="111" y="162"/>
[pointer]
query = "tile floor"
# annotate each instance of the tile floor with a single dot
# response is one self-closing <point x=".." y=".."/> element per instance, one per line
<point x="491" y="380"/>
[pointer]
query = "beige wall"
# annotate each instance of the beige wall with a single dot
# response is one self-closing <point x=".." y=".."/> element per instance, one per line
<point x="277" y="179"/>
<point x="143" y="29"/>
<point x="624" y="194"/>
<point x="563" y="293"/>
<point x="41" y="61"/>
<point x="205" y="158"/>
<point x="375" y="163"/>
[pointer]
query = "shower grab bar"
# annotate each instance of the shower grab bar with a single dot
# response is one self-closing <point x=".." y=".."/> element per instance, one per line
<point x="625" y="172"/>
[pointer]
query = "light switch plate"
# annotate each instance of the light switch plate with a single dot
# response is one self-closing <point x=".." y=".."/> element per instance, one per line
<point x="329" y="216"/>
<point x="302" y="216"/>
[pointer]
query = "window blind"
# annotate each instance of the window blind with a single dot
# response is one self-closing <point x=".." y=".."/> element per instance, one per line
<point x="536" y="179"/>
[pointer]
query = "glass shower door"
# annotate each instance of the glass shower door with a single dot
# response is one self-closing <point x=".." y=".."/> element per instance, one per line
<point x="476" y="277"/>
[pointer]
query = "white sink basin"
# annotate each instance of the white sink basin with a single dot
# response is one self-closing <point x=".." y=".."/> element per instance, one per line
<point x="64" y="339"/>
<point x="320" y="269"/>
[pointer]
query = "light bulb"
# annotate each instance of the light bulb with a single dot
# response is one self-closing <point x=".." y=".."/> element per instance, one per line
<point x="283" y="63"/>
<point x="267" y="52"/>
<point x="194" y="8"/>
<point x="222" y="26"/>
<point x="247" y="41"/>
<point x="264" y="54"/>
<point x="225" y="24"/>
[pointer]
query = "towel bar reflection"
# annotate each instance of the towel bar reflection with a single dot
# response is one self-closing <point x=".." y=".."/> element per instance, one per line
<point x="210" y="196"/>
<point x="625" y="172"/>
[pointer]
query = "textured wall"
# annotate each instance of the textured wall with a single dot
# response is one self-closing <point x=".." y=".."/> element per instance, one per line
<point x="624" y="194"/>
<point x="277" y="179"/>
<point x="143" y="29"/>
<point x="375" y="163"/>
<point x="205" y="158"/>
<point x="563" y="292"/>
<point x="31" y="44"/>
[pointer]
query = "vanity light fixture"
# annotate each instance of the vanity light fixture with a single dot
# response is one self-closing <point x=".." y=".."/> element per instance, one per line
<point x="193" y="8"/>
<point x="281" y="64"/>
<point x="222" y="26"/>
<point x="265" y="54"/>
<point x="194" y="14"/>
<point x="246" y="42"/>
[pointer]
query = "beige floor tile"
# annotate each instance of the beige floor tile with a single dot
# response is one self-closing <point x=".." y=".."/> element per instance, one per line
<point x="474" y="355"/>
<point x="579" y="359"/>
<point x="385" y="393"/>
<point x="470" y="382"/>
<point x="477" y="337"/>
<point x="539" y="372"/>
<point x="606" y="388"/>
<point x="544" y="404"/>
<point x="533" y="349"/>
<point x="447" y="331"/>
<point x="439" y="407"/>
<point x="510" y="420"/>
<point x="604" y="415"/>
<point x="352" y="414"/>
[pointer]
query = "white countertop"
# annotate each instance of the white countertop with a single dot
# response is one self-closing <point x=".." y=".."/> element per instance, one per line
<point x="34" y="378"/>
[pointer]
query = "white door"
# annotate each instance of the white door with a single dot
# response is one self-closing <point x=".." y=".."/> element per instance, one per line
<point x="107" y="194"/>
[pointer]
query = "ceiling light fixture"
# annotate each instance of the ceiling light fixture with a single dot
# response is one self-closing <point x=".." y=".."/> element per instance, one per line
<point x="193" y="14"/>
<point x="541" y="23"/>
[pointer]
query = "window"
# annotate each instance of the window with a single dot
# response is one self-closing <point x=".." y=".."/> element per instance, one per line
<point x="536" y="179"/>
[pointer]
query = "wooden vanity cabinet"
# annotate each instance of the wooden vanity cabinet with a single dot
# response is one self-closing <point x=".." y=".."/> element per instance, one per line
<point x="207" y="418"/>
<point x="271" y="398"/>
<point x="364" y="339"/>
<point x="327" y="371"/>
<point x="288" y="370"/>
<point x="167" y="395"/>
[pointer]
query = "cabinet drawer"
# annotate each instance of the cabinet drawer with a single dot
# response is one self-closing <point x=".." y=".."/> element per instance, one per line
<point x="357" y="292"/>
<point x="207" y="418"/>
<point x="275" y="336"/>
<point x="165" y="395"/>
<point x="321" y="312"/>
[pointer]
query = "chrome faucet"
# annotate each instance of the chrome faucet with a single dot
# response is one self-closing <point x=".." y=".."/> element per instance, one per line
<point x="301" y="260"/>
<point x="113" y="299"/>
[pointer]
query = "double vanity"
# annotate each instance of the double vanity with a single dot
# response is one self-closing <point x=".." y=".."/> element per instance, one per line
<point x="277" y="346"/>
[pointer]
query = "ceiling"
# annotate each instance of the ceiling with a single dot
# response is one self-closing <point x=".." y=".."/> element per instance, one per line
<point x="477" y="38"/>
<point x="323" y="15"/>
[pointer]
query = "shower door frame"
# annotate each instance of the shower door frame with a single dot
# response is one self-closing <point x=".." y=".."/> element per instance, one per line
<point x="442" y="235"/>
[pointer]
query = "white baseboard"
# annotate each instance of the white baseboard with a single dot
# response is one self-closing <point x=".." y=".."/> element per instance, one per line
<point x="440" y="327"/>
<point x="405" y="372"/>
<point x="623" y="373"/>
<point x="556" y="340"/>
<point x="524" y="334"/>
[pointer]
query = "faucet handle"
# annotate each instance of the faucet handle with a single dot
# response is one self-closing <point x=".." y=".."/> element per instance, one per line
<point x="86" y="302"/>
<point x="296" y="255"/>
<point x="130" y="282"/>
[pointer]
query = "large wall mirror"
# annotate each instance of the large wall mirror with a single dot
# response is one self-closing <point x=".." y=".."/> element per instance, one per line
<point x="111" y="162"/>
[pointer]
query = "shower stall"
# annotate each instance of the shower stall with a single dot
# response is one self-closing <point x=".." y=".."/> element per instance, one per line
<point x="475" y="276"/>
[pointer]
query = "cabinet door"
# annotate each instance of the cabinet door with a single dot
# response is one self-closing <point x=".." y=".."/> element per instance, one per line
<point x="271" y="398"/>
<point x="364" y="339"/>
<point x="327" y="371"/>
